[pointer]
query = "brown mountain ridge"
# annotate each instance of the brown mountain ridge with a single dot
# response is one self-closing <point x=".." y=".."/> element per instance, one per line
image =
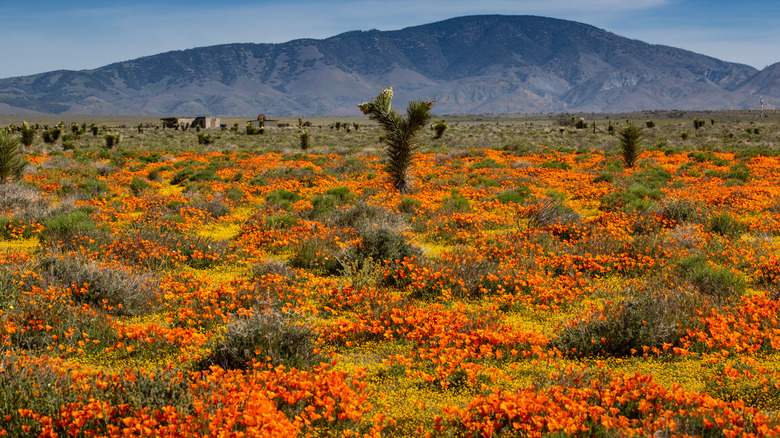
<point x="473" y="64"/>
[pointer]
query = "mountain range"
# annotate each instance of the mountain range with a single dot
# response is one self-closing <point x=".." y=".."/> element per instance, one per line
<point x="473" y="64"/>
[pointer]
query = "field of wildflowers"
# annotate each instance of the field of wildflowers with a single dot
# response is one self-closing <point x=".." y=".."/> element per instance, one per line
<point x="529" y="284"/>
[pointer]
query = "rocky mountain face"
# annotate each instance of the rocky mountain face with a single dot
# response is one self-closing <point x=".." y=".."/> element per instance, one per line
<point x="475" y="64"/>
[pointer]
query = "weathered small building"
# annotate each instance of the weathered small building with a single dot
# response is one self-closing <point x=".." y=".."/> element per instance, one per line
<point x="264" y="121"/>
<point x="192" y="122"/>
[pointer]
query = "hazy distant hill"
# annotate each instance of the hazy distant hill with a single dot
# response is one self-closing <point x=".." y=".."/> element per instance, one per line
<point x="476" y="64"/>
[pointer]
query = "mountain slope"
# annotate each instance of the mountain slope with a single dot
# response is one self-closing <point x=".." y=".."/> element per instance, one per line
<point x="475" y="64"/>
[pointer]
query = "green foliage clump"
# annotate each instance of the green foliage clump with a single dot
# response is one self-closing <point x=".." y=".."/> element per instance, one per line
<point x="718" y="282"/>
<point x="123" y="291"/>
<point x="65" y="225"/>
<point x="488" y="163"/>
<point x="401" y="133"/>
<point x="409" y="205"/>
<point x="725" y="224"/>
<point x="518" y="195"/>
<point x="701" y="157"/>
<point x="138" y="185"/>
<point x="623" y="328"/>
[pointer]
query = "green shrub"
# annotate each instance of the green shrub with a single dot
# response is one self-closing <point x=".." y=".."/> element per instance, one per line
<point x="51" y="135"/>
<point x="93" y="187"/>
<point x="318" y="255"/>
<point x="281" y="221"/>
<point x="409" y="205"/>
<point x="67" y="142"/>
<point x="604" y="177"/>
<point x="623" y="327"/>
<point x="551" y="212"/>
<point x="724" y="224"/>
<point x="555" y="165"/>
<point x="720" y="283"/>
<point x="701" y="157"/>
<point x="518" y="195"/>
<point x="66" y="224"/>
<point x="739" y="171"/>
<point x="282" y="198"/>
<point x="682" y="210"/>
<point x="323" y="204"/>
<point x="384" y="244"/>
<point x="486" y="164"/>
<point x="181" y="176"/>
<point x="456" y="203"/>
<point x="282" y="337"/>
<point x="138" y="185"/>
<point x="125" y="292"/>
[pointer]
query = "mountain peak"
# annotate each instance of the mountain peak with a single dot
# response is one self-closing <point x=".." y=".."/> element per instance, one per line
<point x="471" y="64"/>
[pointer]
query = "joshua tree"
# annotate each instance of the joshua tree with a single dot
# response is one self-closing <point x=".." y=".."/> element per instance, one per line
<point x="401" y="133"/>
<point x="12" y="161"/>
<point x="630" y="138"/>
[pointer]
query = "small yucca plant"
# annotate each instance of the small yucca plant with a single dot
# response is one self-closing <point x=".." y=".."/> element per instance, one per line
<point x="630" y="139"/>
<point x="305" y="140"/>
<point x="12" y="162"/>
<point x="401" y="133"/>
<point x="112" y="139"/>
<point x="439" y="128"/>
<point x="28" y="134"/>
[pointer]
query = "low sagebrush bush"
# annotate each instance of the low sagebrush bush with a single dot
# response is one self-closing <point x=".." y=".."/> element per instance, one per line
<point x="65" y="224"/>
<point x="274" y="337"/>
<point x="138" y="185"/>
<point x="682" y="210"/>
<point x="645" y="318"/>
<point x="551" y="212"/>
<point x="319" y="255"/>
<point x="363" y="215"/>
<point x="725" y="224"/>
<point x="385" y="244"/>
<point x="124" y="292"/>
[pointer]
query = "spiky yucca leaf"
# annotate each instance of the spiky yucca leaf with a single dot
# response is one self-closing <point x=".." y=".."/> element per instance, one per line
<point x="12" y="162"/>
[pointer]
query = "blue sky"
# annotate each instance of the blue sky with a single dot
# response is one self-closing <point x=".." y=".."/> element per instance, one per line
<point x="45" y="35"/>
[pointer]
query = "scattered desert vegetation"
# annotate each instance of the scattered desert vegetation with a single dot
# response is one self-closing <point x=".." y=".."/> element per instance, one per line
<point x="532" y="276"/>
